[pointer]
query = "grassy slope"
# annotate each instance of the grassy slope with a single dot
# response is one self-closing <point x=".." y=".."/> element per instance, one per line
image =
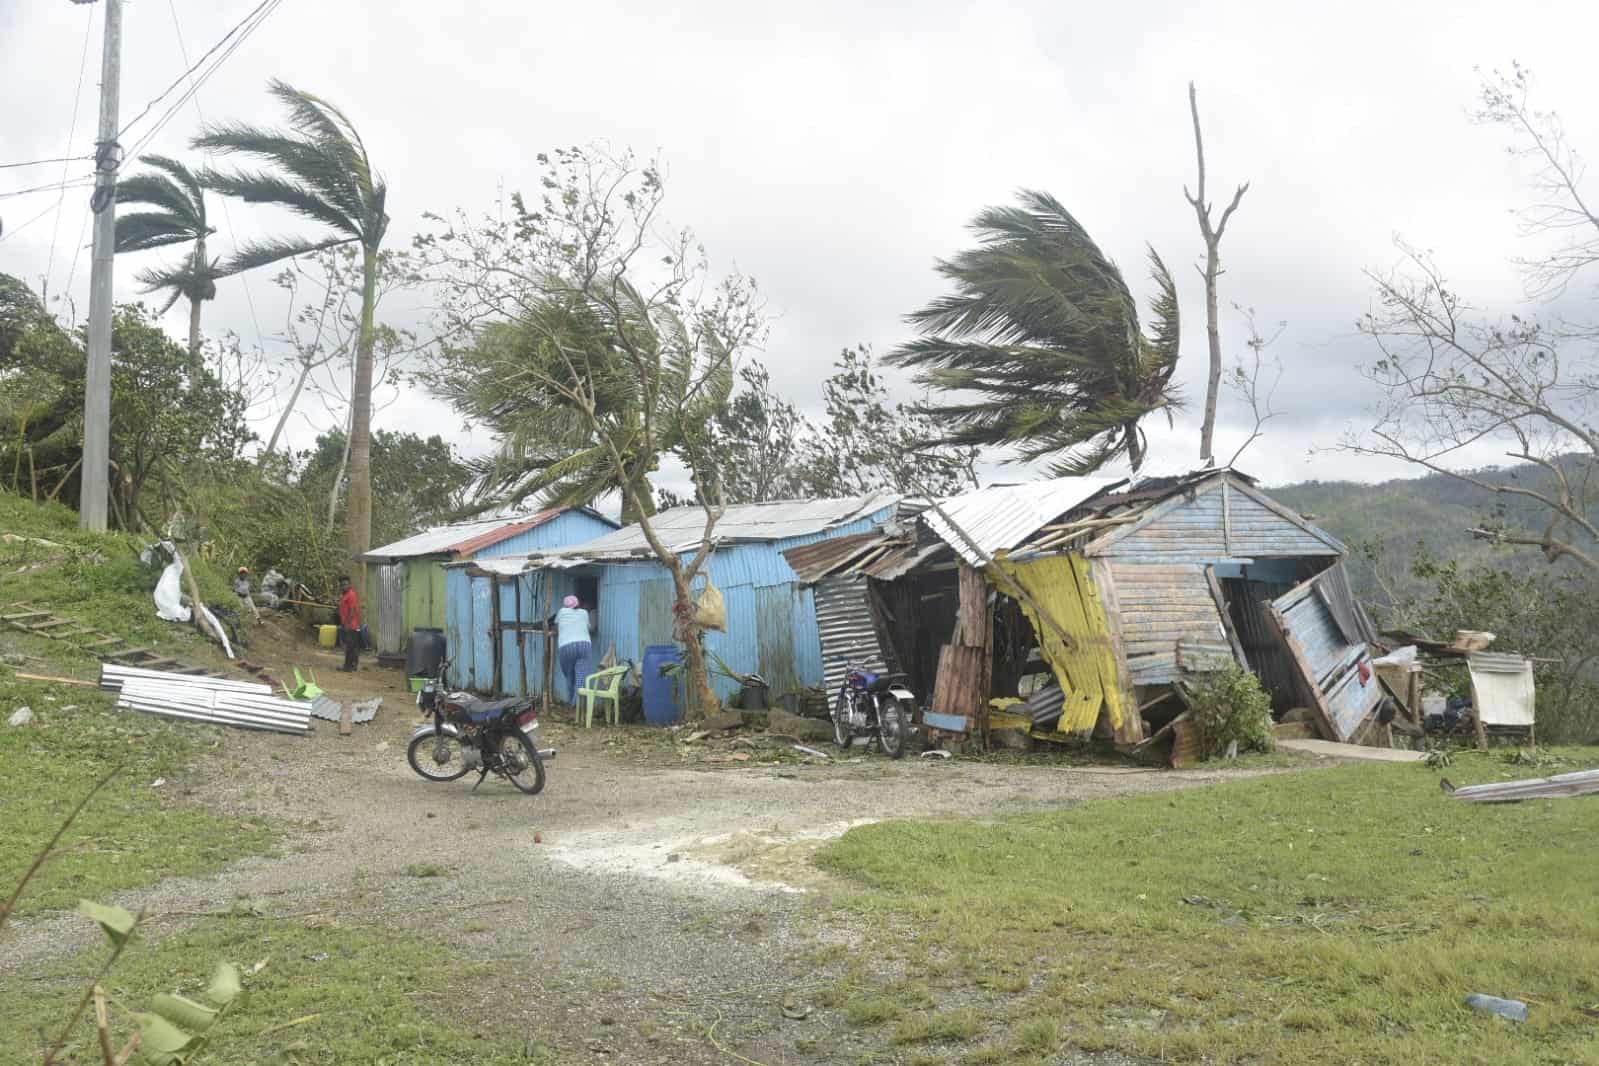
<point x="355" y="996"/>
<point x="1337" y="916"/>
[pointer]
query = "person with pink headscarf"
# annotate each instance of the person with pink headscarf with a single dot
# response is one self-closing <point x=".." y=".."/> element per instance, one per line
<point x="575" y="649"/>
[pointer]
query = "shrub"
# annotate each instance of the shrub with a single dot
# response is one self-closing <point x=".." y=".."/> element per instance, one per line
<point x="1230" y="706"/>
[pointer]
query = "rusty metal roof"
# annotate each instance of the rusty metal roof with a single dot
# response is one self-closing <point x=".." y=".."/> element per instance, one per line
<point x="465" y="538"/>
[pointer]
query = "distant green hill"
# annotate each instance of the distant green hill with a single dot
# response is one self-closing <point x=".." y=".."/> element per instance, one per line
<point x="1398" y="519"/>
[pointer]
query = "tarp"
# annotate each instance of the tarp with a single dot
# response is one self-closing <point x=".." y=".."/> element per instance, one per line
<point x="1082" y="658"/>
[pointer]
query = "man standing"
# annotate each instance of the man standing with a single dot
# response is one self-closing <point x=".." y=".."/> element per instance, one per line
<point x="241" y="588"/>
<point x="349" y="625"/>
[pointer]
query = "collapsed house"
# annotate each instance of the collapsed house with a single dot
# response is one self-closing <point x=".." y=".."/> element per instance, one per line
<point x="499" y="609"/>
<point x="1116" y="591"/>
<point x="405" y="580"/>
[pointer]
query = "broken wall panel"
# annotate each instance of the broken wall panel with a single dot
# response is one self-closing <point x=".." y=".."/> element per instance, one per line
<point x="1335" y="674"/>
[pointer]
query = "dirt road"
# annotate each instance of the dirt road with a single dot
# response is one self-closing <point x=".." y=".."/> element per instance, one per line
<point x="626" y="907"/>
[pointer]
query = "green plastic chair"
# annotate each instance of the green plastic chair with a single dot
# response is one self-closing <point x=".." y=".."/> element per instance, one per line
<point x="605" y="685"/>
<point x="305" y="688"/>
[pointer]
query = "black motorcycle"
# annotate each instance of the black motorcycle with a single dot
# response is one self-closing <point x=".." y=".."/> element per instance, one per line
<point x="869" y="703"/>
<point x="467" y="733"/>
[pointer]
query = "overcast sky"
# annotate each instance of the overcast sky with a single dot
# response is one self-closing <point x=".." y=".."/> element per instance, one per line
<point x="834" y="150"/>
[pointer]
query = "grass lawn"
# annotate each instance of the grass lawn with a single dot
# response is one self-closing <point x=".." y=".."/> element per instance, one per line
<point x="1328" y="916"/>
<point x="340" y="994"/>
<point x="131" y="834"/>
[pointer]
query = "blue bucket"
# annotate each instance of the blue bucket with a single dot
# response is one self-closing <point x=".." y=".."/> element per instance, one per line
<point x="662" y="705"/>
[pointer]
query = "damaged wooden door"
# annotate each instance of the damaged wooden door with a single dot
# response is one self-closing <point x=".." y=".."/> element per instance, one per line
<point x="1333" y="667"/>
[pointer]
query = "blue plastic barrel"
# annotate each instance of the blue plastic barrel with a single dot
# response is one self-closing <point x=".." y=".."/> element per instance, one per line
<point x="661" y="703"/>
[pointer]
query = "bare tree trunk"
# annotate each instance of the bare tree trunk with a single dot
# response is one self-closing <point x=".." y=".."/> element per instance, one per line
<point x="358" y="514"/>
<point x="194" y="332"/>
<point x="283" y="419"/>
<point x="338" y="475"/>
<point x="1212" y="237"/>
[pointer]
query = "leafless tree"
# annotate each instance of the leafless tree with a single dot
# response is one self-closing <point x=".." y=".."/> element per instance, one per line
<point x="1212" y="234"/>
<point x="1457" y="384"/>
<point x="1255" y="377"/>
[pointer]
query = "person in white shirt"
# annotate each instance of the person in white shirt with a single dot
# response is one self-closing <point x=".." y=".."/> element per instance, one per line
<point x="575" y="648"/>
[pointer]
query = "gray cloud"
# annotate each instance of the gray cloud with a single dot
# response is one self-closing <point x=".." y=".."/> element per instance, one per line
<point x="834" y="150"/>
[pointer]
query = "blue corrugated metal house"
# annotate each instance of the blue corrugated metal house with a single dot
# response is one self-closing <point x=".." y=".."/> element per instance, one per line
<point x="497" y="608"/>
<point x="405" y="579"/>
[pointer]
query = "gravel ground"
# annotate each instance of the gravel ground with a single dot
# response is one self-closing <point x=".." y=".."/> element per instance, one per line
<point x="656" y="899"/>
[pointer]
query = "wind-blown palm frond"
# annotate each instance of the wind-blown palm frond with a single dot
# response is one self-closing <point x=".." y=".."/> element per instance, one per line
<point x="318" y="169"/>
<point x="1042" y="336"/>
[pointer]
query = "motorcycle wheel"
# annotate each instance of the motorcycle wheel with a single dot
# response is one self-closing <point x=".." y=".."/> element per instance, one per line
<point x="891" y="727"/>
<point x="520" y="763"/>
<point x="842" y="730"/>
<point x="437" y="757"/>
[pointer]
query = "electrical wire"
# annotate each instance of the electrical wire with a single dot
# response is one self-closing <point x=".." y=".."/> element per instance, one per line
<point x="13" y="232"/>
<point x="227" y="216"/>
<point x="72" y="131"/>
<point x="187" y="73"/>
<point x="50" y="186"/>
<point x="265" y="9"/>
<point x="47" y="162"/>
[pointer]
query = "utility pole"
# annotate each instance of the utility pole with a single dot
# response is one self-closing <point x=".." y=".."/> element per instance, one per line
<point x="96" y="492"/>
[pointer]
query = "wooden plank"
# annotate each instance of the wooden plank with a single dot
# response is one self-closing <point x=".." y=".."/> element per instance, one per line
<point x="1226" y="518"/>
<point x="346" y="718"/>
<point x="1226" y="616"/>
<point x="1305" y="675"/>
<point x="56" y="680"/>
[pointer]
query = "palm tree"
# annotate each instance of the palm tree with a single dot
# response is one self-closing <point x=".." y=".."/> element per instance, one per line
<point x="180" y="218"/>
<point x="317" y="168"/>
<point x="1042" y="336"/>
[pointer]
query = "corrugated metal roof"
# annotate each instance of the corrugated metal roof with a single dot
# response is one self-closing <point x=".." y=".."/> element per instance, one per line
<point x="1000" y="517"/>
<point x="680" y="528"/>
<point x="812" y="562"/>
<point x="464" y="538"/>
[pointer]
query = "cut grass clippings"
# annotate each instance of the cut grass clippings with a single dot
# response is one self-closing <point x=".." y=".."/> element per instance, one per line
<point x="133" y="833"/>
<point x="1330" y="916"/>
<point x="343" y="994"/>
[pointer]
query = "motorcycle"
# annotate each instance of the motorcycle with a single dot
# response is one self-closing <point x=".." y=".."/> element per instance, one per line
<point x="467" y="733"/>
<point x="868" y="704"/>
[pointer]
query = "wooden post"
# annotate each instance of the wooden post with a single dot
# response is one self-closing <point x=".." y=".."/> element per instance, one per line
<point x="1226" y="615"/>
<point x="1226" y="518"/>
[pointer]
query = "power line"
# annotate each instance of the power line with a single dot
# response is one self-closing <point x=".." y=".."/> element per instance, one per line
<point x="265" y="9"/>
<point x="50" y="186"/>
<point x="72" y="130"/>
<point x="12" y="233"/>
<point x="227" y="216"/>
<point x="58" y="159"/>
<point x="180" y="78"/>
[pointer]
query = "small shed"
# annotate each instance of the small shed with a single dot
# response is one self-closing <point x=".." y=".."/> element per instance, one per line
<point x="499" y="608"/>
<point x="405" y="580"/>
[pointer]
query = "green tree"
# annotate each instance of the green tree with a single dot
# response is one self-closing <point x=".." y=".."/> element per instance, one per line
<point x="1550" y="615"/>
<point x="319" y="169"/>
<point x="175" y="192"/>
<point x="419" y="481"/>
<point x="1040" y="343"/>
<point x="616" y="325"/>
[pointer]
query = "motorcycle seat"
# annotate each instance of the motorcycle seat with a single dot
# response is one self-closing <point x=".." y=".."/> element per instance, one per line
<point x="884" y="682"/>
<point x="483" y="710"/>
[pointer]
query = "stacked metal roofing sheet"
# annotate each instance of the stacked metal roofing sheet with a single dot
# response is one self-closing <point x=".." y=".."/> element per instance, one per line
<point x="211" y="700"/>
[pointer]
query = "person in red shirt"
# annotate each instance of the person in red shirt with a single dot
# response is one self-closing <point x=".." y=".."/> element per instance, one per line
<point x="349" y="624"/>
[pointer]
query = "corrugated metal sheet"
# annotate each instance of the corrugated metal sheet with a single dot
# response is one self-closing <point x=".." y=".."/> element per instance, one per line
<point x="465" y="538"/>
<point x="812" y="562"/>
<point x="1001" y="517"/>
<point x="391" y="608"/>
<point x="844" y="622"/>
<point x="1332" y="664"/>
<point x="1502" y="691"/>
<point x="573" y="526"/>
<point x="787" y="521"/>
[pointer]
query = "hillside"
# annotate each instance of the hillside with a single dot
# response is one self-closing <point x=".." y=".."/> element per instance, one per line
<point x="1395" y="521"/>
